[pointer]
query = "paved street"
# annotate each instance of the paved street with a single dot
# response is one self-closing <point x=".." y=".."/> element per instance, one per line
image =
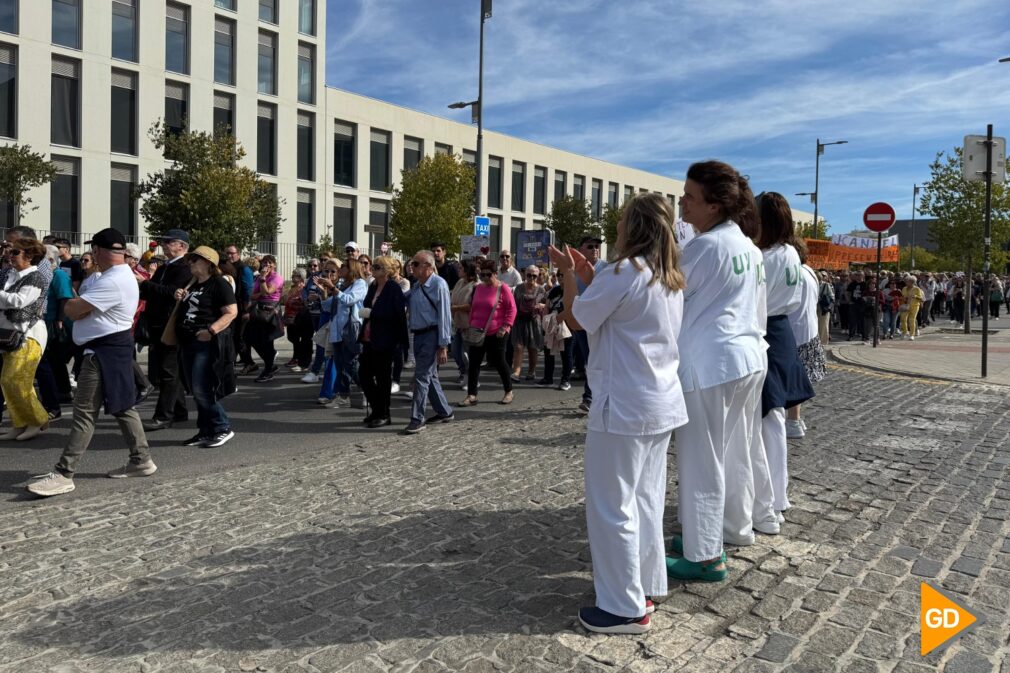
<point x="463" y="548"/>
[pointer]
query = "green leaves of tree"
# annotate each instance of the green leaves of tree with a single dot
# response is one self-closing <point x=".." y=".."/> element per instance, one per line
<point x="571" y="220"/>
<point x="22" y="170"/>
<point x="434" y="202"/>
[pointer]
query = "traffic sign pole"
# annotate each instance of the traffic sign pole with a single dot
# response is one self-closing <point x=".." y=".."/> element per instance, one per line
<point x="987" y="241"/>
<point x="876" y="303"/>
<point x="878" y="217"/>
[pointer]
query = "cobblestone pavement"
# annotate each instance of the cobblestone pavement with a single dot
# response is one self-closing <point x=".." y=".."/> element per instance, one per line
<point x="463" y="549"/>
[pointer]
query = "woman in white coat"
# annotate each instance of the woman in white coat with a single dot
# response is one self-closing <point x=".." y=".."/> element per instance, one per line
<point x="722" y="369"/>
<point x="631" y="312"/>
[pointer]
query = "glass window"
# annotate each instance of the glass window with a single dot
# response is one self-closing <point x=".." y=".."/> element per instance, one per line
<point x="306" y="147"/>
<point x="560" y="185"/>
<point x="378" y="224"/>
<point x="123" y="205"/>
<point x="495" y="234"/>
<point x="469" y="157"/>
<point x="267" y="68"/>
<point x="494" y="186"/>
<point x="442" y="148"/>
<point x="343" y="153"/>
<point x="65" y="197"/>
<point x="539" y="190"/>
<point x="225" y="4"/>
<point x="518" y="185"/>
<point x="8" y="92"/>
<point x="7" y="215"/>
<point x="629" y="191"/>
<point x="123" y="120"/>
<point x="9" y="16"/>
<point x="176" y="107"/>
<point x="124" y="30"/>
<point x="379" y="176"/>
<point x="268" y="11"/>
<point x="612" y="189"/>
<point x="224" y="115"/>
<point x="305" y="216"/>
<point x="597" y="199"/>
<point x="343" y="218"/>
<point x="518" y="224"/>
<point x="579" y="187"/>
<point x="306" y="74"/>
<point x="67" y="23"/>
<point x="413" y="150"/>
<point x="307" y="17"/>
<point x="177" y="38"/>
<point x="224" y="51"/>
<point x="66" y="103"/>
<point x="266" y="139"/>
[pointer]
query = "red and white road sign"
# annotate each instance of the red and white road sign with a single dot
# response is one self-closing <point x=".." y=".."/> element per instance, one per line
<point x="879" y="217"/>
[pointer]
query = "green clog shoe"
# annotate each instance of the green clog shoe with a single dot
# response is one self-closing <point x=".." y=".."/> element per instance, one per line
<point x="682" y="569"/>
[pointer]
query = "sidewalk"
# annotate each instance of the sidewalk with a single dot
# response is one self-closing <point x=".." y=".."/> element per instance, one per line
<point x="940" y="352"/>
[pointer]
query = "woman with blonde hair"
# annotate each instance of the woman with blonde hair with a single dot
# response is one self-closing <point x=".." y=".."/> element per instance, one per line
<point x="527" y="333"/>
<point x="631" y="311"/>
<point x="345" y="323"/>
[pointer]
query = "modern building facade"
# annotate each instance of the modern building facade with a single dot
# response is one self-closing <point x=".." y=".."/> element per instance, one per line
<point x="84" y="80"/>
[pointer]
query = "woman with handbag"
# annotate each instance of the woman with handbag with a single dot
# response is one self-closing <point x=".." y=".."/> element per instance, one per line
<point x="298" y="324"/>
<point x="527" y="333"/>
<point x="492" y="313"/>
<point x="344" y="329"/>
<point x="23" y="337"/>
<point x="264" y="323"/>
<point x="460" y="296"/>
<point x="383" y="334"/>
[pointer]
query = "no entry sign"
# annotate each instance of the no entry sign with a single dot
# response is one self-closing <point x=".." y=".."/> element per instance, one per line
<point x="879" y="217"/>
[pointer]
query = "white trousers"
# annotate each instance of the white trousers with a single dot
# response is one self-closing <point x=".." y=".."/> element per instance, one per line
<point x="773" y="432"/>
<point x="625" y="496"/>
<point x="717" y="430"/>
<point x="748" y="481"/>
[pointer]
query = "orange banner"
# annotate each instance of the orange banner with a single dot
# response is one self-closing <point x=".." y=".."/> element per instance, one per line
<point x="827" y="255"/>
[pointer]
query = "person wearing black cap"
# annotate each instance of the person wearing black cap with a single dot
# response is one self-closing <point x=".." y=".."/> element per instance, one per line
<point x="103" y="323"/>
<point x="589" y="246"/>
<point x="163" y="362"/>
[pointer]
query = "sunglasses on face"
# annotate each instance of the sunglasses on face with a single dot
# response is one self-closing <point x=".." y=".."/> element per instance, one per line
<point x="485" y="274"/>
<point x="329" y="272"/>
<point x="349" y="250"/>
<point x="414" y="262"/>
<point x="592" y="246"/>
<point x="365" y="263"/>
<point x="532" y="276"/>
<point x="505" y="257"/>
<point x="15" y="253"/>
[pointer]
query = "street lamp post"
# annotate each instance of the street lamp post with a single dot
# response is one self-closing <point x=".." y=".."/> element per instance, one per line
<point x="915" y="193"/>
<point x="817" y="173"/>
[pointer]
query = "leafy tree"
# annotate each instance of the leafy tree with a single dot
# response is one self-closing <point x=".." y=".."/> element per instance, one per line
<point x="207" y="193"/>
<point x="611" y="217"/>
<point x="324" y="246"/>
<point x="22" y="170"/>
<point x="811" y="230"/>
<point x="959" y="207"/>
<point x="434" y="202"/>
<point x="571" y="219"/>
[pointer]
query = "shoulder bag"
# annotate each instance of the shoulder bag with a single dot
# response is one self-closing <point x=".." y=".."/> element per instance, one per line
<point x="169" y="337"/>
<point x="474" y="336"/>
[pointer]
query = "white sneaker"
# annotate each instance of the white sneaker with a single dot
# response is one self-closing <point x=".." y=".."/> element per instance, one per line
<point x="781" y="517"/>
<point x="409" y="394"/>
<point x="803" y="424"/>
<point x="767" y="527"/>
<point x="794" y="430"/>
<point x="341" y="401"/>
<point x="324" y="401"/>
<point x="310" y="378"/>
<point x="395" y="388"/>
<point x="911" y="338"/>
<point x="50" y="484"/>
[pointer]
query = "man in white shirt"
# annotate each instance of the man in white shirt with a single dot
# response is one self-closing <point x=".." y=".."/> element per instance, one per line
<point x="103" y="319"/>
<point x="506" y="272"/>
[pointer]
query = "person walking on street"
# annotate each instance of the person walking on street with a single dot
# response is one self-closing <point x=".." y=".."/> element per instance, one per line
<point x="462" y="298"/>
<point x="507" y="273"/>
<point x="912" y="297"/>
<point x="431" y="324"/>
<point x="383" y="334"/>
<point x="447" y="269"/>
<point x="492" y="309"/>
<point x="163" y="360"/>
<point x="103" y="320"/>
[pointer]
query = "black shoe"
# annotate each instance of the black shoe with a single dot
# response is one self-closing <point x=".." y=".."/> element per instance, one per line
<point x="145" y="393"/>
<point x="544" y="383"/>
<point x="249" y="369"/>
<point x="379" y="422"/>
<point x="266" y="376"/>
<point x="218" y="439"/>
<point x="414" y="427"/>
<point x="438" y="418"/>
<point x="196" y="440"/>
<point x="180" y="419"/>
<point x="155" y="424"/>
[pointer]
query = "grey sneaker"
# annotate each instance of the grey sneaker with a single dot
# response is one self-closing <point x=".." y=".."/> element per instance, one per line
<point x="342" y="401"/>
<point x="50" y="484"/>
<point x="584" y="407"/>
<point x="565" y="385"/>
<point x="145" y="469"/>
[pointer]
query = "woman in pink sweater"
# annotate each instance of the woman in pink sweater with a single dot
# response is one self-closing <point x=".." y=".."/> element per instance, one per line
<point x="494" y="309"/>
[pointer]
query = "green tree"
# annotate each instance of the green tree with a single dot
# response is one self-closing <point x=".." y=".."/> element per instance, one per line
<point x="571" y="219"/>
<point x="324" y="245"/>
<point x="434" y="202"/>
<point x="611" y="217"/>
<point x="207" y="193"/>
<point x="959" y="208"/>
<point x="22" y="170"/>
<point x="811" y="230"/>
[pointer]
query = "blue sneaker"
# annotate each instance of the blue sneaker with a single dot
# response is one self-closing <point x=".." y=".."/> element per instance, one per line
<point x="601" y="621"/>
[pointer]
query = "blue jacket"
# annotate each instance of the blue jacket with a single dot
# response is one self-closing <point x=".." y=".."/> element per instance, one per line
<point x="344" y="307"/>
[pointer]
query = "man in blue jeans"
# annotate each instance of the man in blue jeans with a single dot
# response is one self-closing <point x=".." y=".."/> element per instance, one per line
<point x="589" y="246"/>
<point x="431" y="324"/>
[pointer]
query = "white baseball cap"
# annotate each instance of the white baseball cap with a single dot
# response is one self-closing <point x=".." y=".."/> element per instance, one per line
<point x="351" y="244"/>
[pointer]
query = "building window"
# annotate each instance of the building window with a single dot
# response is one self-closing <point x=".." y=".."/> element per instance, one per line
<point x="343" y="153"/>
<point x="306" y="146"/>
<point x="225" y="4"/>
<point x="267" y="67"/>
<point x="378" y="224"/>
<point x="597" y="199"/>
<point x="176" y="107"/>
<point x="266" y="139"/>
<point x="612" y="190"/>
<point x="579" y="187"/>
<point x="518" y="186"/>
<point x="224" y="51"/>
<point x="343" y="218"/>
<point x="379" y="176"/>
<point x="268" y="11"/>
<point x="629" y="191"/>
<point x="306" y="74"/>
<point x="518" y="224"/>
<point x="177" y="38"/>
<point x="124" y="112"/>
<point x="124" y="30"/>
<point x="495" y="238"/>
<point x="539" y="190"/>
<point x="494" y="186"/>
<point x="469" y="158"/>
<point x="8" y="92"/>
<point x="66" y="103"/>
<point x="305" y="217"/>
<point x="67" y="23"/>
<point x="307" y="17"/>
<point x="560" y="185"/>
<point x="413" y="150"/>
<point x="224" y="114"/>
<point x="8" y="218"/>
<point x="9" y="16"/>
<point x="123" y="205"/>
<point x="65" y="197"/>
<point x="442" y="148"/>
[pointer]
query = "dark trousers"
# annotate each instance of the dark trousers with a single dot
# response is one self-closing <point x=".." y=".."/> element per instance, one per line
<point x="857" y="320"/>
<point x="198" y="358"/>
<point x="163" y="367"/>
<point x="566" y="362"/>
<point x="48" y="393"/>
<point x="494" y="348"/>
<point x="375" y="376"/>
<point x="994" y="308"/>
<point x="300" y="335"/>
<point x="843" y="317"/>
<point x="582" y="346"/>
<point x="260" y="337"/>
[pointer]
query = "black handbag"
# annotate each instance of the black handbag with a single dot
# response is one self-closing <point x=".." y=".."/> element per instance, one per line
<point x="11" y="339"/>
<point x="264" y="312"/>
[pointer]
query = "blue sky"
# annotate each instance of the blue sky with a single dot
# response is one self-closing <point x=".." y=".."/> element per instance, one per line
<point x="659" y="84"/>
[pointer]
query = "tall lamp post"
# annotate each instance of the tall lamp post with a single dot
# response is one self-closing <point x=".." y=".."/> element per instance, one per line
<point x="915" y="193"/>
<point x="477" y="107"/>
<point x="817" y="173"/>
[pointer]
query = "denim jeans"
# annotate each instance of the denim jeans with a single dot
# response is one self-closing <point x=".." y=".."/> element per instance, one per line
<point x="582" y="345"/>
<point x="458" y="350"/>
<point x="341" y="371"/>
<point x="888" y="319"/>
<point x="198" y="359"/>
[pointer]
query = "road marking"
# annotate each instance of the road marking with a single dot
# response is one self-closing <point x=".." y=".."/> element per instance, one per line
<point x="885" y="375"/>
